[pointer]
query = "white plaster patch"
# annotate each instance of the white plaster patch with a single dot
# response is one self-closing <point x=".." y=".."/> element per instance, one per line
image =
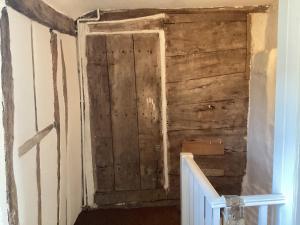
<point x="24" y="126"/>
<point x="74" y="184"/>
<point x="45" y="116"/>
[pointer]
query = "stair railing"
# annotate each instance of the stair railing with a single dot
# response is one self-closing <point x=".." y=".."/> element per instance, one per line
<point x="202" y="205"/>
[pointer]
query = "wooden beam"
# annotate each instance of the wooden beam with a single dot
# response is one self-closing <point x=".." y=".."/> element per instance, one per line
<point x="36" y="139"/>
<point x="8" y="118"/>
<point x="41" y="12"/>
<point x="134" y="13"/>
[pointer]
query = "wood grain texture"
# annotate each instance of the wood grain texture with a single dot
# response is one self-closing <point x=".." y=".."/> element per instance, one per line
<point x="218" y="88"/>
<point x="8" y="118"/>
<point x="209" y="64"/>
<point x="100" y="111"/>
<point x="191" y="38"/>
<point x="210" y="115"/>
<point x="144" y="24"/>
<point x="213" y="16"/>
<point x="135" y="13"/>
<point x="41" y="12"/>
<point x="124" y="111"/>
<point x="36" y="139"/>
<point x="234" y="138"/>
<point x="133" y="198"/>
<point x="204" y="147"/>
<point x="148" y="88"/>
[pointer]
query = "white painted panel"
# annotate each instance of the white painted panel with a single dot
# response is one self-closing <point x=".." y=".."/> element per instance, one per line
<point x="25" y="167"/>
<point x="45" y="116"/>
<point x="74" y="133"/>
<point x="43" y="75"/>
<point x="49" y="178"/>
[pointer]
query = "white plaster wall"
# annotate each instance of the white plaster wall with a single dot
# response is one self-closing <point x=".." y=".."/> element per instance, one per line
<point x="258" y="178"/>
<point x="63" y="139"/>
<point x="24" y="126"/>
<point x="74" y="182"/>
<point x="25" y="166"/>
<point x="45" y="117"/>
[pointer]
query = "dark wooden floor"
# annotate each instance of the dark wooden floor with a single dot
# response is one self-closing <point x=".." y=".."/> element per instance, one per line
<point x="137" y="216"/>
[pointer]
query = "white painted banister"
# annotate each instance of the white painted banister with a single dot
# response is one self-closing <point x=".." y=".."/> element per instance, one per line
<point x="202" y="205"/>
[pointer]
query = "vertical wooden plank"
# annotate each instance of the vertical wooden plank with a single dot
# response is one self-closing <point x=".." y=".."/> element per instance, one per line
<point x="197" y="203"/>
<point x="100" y="115"/>
<point x="216" y="216"/>
<point x="201" y="208"/>
<point x="191" y="198"/>
<point x="8" y="117"/>
<point x="208" y="213"/>
<point x="263" y="215"/>
<point x="148" y="88"/>
<point x="184" y="192"/>
<point x="124" y="111"/>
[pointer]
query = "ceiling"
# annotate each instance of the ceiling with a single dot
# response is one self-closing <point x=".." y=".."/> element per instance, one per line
<point x="76" y="8"/>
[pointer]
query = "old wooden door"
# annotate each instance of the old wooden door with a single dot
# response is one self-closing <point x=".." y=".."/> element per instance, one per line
<point x="124" y="80"/>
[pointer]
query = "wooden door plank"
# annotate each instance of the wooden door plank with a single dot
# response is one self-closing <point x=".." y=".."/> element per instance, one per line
<point x="148" y="84"/>
<point x="100" y="116"/>
<point x="124" y="111"/>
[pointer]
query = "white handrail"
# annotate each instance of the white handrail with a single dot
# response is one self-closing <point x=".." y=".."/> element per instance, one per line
<point x="200" y="202"/>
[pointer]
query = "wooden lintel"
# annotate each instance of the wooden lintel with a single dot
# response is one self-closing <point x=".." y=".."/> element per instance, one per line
<point x="41" y="12"/>
<point x="134" y="13"/>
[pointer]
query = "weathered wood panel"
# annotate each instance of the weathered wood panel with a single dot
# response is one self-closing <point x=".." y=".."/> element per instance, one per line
<point x="210" y="115"/>
<point x="124" y="111"/>
<point x="100" y="115"/>
<point x="147" y="68"/>
<point x="134" y="13"/>
<point x="44" y="14"/>
<point x="234" y="139"/>
<point x="191" y="38"/>
<point x="213" y="16"/>
<point x="135" y="198"/>
<point x="145" y="24"/>
<point x="209" y="64"/>
<point x="8" y="118"/>
<point x="218" y="88"/>
<point x="233" y="163"/>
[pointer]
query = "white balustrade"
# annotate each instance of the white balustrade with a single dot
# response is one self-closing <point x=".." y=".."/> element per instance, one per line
<point x="202" y="205"/>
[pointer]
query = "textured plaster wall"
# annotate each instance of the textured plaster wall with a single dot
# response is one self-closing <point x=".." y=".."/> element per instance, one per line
<point x="258" y="178"/>
<point x="25" y="51"/>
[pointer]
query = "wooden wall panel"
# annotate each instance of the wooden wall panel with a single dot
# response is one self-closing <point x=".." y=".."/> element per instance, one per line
<point x="208" y="64"/>
<point x="217" y="88"/>
<point x="100" y="115"/>
<point x="190" y="38"/>
<point x="210" y="115"/>
<point x="124" y="111"/>
<point x="147" y="68"/>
